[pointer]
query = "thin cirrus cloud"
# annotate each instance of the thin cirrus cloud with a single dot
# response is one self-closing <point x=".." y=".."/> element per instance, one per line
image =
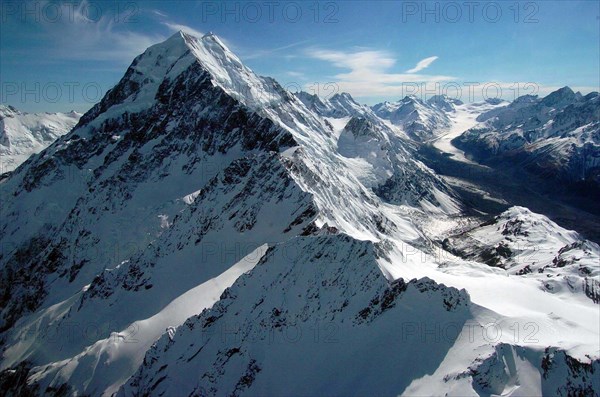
<point x="368" y="72"/>
<point x="422" y="64"/>
<point x="107" y="37"/>
<point x="175" y="27"/>
<point x="261" y="53"/>
<point x="81" y="35"/>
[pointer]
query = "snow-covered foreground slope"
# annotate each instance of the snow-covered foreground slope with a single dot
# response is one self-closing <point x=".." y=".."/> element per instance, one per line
<point x="202" y="231"/>
<point x="530" y="245"/>
<point x="23" y="134"/>
<point x="109" y="362"/>
<point x="297" y="325"/>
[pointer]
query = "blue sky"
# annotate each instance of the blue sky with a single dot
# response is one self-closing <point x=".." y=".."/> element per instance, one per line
<point x="57" y="56"/>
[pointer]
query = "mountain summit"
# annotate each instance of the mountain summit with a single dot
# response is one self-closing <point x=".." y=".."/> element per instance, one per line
<point x="166" y="61"/>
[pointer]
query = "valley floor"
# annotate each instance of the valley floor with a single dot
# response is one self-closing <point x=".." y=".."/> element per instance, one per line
<point x="492" y="191"/>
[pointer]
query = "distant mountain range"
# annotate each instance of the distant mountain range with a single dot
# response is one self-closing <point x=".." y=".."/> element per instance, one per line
<point x="557" y="136"/>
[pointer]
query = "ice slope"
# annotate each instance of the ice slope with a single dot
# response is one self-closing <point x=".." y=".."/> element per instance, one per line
<point x="509" y="370"/>
<point x="328" y="306"/>
<point x="23" y="134"/>
<point x="462" y="119"/>
<point x="115" y="358"/>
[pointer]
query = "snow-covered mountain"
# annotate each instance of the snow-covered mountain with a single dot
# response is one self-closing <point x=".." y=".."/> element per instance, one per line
<point x="23" y="134"/>
<point x="557" y="136"/>
<point x="420" y="120"/>
<point x="338" y="106"/>
<point x="530" y="245"/>
<point x="202" y="231"/>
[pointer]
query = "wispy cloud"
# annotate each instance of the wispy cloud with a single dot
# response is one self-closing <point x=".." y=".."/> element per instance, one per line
<point x="75" y="36"/>
<point x="159" y="13"/>
<point x="271" y="51"/>
<point x="175" y="27"/>
<point x="422" y="64"/>
<point x="369" y="72"/>
<point x="295" y="74"/>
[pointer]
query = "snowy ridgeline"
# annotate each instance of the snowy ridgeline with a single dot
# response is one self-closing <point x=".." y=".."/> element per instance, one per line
<point x="202" y="231"/>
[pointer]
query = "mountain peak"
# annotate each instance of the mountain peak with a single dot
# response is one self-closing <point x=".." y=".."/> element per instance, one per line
<point x="560" y="98"/>
<point x="8" y="111"/>
<point x="566" y="89"/>
<point x="187" y="37"/>
<point x="343" y="95"/>
<point x="167" y="60"/>
<point x="210" y="36"/>
<point x="444" y="102"/>
<point x="213" y="39"/>
<point x="411" y="99"/>
<point x="203" y="48"/>
<point x="525" y="99"/>
<point x="344" y="98"/>
<point x="192" y="41"/>
<point x="177" y="39"/>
